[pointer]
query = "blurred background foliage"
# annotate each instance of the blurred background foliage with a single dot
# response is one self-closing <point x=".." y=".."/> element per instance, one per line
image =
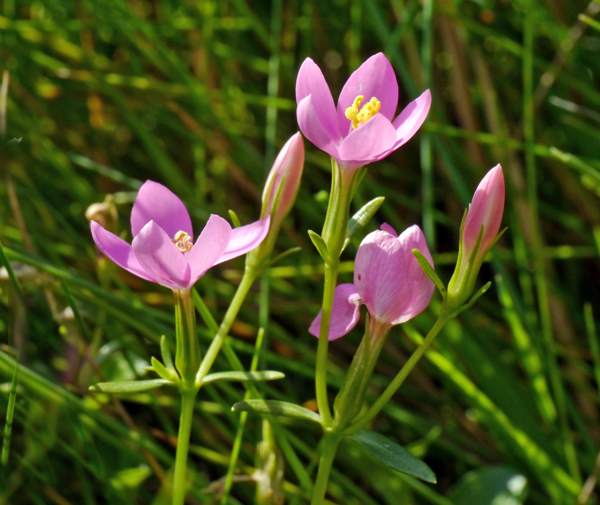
<point x="199" y="95"/>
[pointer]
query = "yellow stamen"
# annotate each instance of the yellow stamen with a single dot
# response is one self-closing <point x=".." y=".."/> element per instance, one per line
<point x="183" y="241"/>
<point x="361" y="115"/>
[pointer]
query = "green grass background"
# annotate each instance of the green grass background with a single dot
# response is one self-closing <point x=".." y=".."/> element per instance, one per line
<point x="200" y="95"/>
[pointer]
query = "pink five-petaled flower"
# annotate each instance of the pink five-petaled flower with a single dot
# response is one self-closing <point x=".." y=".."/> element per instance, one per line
<point x="364" y="127"/>
<point x="163" y="250"/>
<point x="387" y="279"/>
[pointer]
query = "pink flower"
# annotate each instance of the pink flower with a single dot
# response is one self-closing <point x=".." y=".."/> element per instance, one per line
<point x="485" y="211"/>
<point x="163" y="250"/>
<point x="283" y="181"/>
<point x="387" y="279"/>
<point x="364" y="127"/>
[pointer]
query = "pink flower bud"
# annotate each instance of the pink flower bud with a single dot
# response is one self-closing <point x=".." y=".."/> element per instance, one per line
<point x="483" y="218"/>
<point x="485" y="212"/>
<point x="283" y="181"/>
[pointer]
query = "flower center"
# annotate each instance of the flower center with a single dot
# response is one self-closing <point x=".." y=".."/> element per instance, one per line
<point x="361" y="115"/>
<point x="183" y="241"/>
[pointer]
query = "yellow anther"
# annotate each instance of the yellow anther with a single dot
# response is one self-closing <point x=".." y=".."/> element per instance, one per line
<point x="352" y="112"/>
<point x="361" y="115"/>
<point x="183" y="241"/>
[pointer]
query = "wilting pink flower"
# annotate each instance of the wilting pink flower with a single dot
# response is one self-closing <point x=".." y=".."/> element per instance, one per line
<point x="163" y="248"/>
<point x="364" y="127"/>
<point x="387" y="279"/>
<point x="485" y="211"/>
<point x="484" y="217"/>
<point x="283" y="181"/>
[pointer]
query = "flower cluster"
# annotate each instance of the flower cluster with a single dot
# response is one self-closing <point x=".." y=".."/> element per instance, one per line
<point x="394" y="276"/>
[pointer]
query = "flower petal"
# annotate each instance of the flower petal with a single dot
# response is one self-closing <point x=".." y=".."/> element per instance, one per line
<point x="309" y="122"/>
<point x="374" y="78"/>
<point x="209" y="246"/>
<point x="118" y="251"/>
<point x="368" y="142"/>
<point x="156" y="252"/>
<point x="345" y="313"/>
<point x="389" y="229"/>
<point x="388" y="277"/>
<point x="420" y="286"/>
<point x="245" y="238"/>
<point x="310" y="81"/>
<point x="155" y="202"/>
<point x="411" y="118"/>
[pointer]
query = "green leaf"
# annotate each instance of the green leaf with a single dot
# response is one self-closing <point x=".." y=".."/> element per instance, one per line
<point x="319" y="244"/>
<point x="480" y="292"/>
<point x="285" y="254"/>
<point x="392" y="455"/>
<point x="127" y="387"/>
<point x="362" y="217"/>
<point x="166" y="373"/>
<point x="235" y="220"/>
<point x="130" y="478"/>
<point x="277" y="408"/>
<point x="233" y="376"/>
<point x="165" y="352"/>
<point x="429" y="271"/>
<point x="490" y="486"/>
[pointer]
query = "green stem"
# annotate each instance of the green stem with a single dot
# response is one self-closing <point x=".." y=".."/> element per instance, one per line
<point x="250" y="275"/>
<point x="334" y="235"/>
<point x="323" y="345"/>
<point x="329" y="446"/>
<point x="351" y="397"/>
<point x="401" y="376"/>
<point x="188" y="397"/>
<point x="187" y="352"/>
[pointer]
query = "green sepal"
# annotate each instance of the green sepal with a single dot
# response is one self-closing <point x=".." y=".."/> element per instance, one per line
<point x="276" y="408"/>
<point x="319" y="244"/>
<point x="240" y="376"/>
<point x="129" y="387"/>
<point x="391" y="455"/>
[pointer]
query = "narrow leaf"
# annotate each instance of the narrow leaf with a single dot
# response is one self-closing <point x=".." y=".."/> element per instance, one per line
<point x="429" y="271"/>
<point x="166" y="373"/>
<point x="126" y="387"/>
<point x="319" y="244"/>
<point x="480" y="292"/>
<point x="285" y="254"/>
<point x="392" y="455"/>
<point x="362" y="216"/>
<point x="277" y="408"/>
<point x="165" y="352"/>
<point x="235" y="220"/>
<point x="233" y="376"/>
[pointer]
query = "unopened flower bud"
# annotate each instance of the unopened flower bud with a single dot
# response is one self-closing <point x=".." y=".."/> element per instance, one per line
<point x="479" y="231"/>
<point x="279" y="194"/>
<point x="104" y="213"/>
<point x="283" y="180"/>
